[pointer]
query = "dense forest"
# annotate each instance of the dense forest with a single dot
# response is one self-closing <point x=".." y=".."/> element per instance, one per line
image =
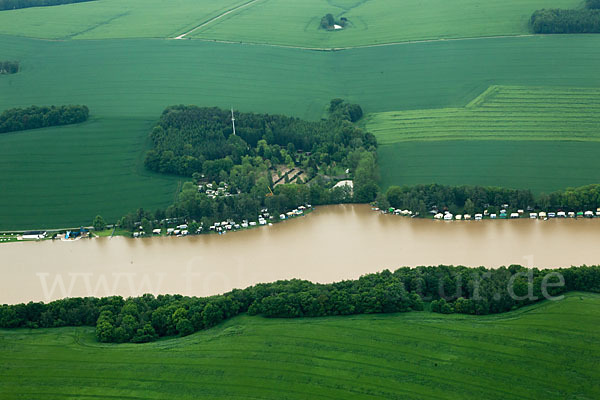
<point x="450" y="290"/>
<point x="9" y="67"/>
<point x="586" y="20"/>
<point x="471" y="199"/>
<point x="16" y="4"/>
<point x="19" y="119"/>
<point x="189" y="139"/>
<point x="199" y="142"/>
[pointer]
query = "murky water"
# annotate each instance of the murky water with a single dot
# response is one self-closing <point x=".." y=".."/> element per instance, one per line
<point x="330" y="244"/>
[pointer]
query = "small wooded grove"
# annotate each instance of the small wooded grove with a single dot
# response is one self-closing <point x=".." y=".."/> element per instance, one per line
<point x="191" y="139"/>
<point x="16" y="4"/>
<point x="471" y="199"/>
<point x="450" y="290"/>
<point x="586" y="20"/>
<point x="18" y="119"/>
<point x="199" y="142"/>
<point x="9" y="67"/>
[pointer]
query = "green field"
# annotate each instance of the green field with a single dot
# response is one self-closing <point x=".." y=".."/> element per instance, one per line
<point x="542" y="139"/>
<point x="134" y="80"/>
<point x="542" y="166"/>
<point x="286" y="22"/>
<point x="59" y="175"/>
<point x="102" y="19"/>
<point x="296" y="23"/>
<point x="500" y="113"/>
<point x="548" y="351"/>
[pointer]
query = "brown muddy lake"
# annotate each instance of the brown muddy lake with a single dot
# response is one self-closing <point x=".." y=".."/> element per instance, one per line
<point x="330" y="244"/>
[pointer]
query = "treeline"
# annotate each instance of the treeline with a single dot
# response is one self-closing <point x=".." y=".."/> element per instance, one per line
<point x="197" y="209"/>
<point x="451" y="289"/>
<point x="16" y="4"/>
<point x="471" y="199"/>
<point x="9" y="67"/>
<point x="585" y="20"/>
<point x="18" y="119"/>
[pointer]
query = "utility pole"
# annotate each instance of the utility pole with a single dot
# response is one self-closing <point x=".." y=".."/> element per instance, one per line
<point x="232" y="120"/>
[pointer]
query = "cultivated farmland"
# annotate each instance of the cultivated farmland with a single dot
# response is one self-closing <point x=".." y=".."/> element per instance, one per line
<point x="55" y="177"/>
<point x="130" y="82"/>
<point x="283" y="22"/>
<point x="542" y="166"/>
<point x="371" y="22"/>
<point x="542" y="139"/>
<point x="548" y="350"/>
<point x="500" y="113"/>
<point x="102" y="19"/>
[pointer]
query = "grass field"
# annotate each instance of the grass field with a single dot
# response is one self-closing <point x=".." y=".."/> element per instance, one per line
<point x="134" y="80"/>
<point x="542" y="139"/>
<point x="548" y="351"/>
<point x="287" y="22"/>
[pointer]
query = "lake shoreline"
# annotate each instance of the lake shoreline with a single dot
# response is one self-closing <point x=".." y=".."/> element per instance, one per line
<point x="330" y="244"/>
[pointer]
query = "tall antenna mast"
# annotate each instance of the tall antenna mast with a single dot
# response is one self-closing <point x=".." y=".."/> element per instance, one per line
<point x="232" y="120"/>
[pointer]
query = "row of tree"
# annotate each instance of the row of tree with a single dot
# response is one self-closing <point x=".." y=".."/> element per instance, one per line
<point x="16" y="4"/>
<point x="586" y="20"/>
<point x="9" y="67"/>
<point x="471" y="199"/>
<point x="450" y="289"/>
<point x="18" y="119"/>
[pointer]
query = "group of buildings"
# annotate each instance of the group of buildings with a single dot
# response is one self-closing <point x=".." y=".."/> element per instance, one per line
<point x="222" y="227"/>
<point x="503" y="214"/>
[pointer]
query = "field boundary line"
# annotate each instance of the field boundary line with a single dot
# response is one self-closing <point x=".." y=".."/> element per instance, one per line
<point x="365" y="46"/>
<point x="202" y="25"/>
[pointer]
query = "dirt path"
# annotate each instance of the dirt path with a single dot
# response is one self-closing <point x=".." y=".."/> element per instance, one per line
<point x="182" y="36"/>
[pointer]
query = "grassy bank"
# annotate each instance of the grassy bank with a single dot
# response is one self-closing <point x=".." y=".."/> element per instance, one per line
<point x="547" y="350"/>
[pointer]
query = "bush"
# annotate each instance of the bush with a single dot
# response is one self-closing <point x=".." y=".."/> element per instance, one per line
<point x="9" y="67"/>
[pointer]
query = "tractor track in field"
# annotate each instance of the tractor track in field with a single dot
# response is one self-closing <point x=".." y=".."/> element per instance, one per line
<point x="202" y="25"/>
<point x="366" y="46"/>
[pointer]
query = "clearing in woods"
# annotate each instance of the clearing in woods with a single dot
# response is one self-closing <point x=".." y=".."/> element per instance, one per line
<point x="549" y="350"/>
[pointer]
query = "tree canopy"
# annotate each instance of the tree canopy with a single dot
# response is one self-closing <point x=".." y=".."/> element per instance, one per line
<point x="422" y="198"/>
<point x="18" y="119"/>
<point x="16" y="4"/>
<point x="450" y="289"/>
<point x="585" y="20"/>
